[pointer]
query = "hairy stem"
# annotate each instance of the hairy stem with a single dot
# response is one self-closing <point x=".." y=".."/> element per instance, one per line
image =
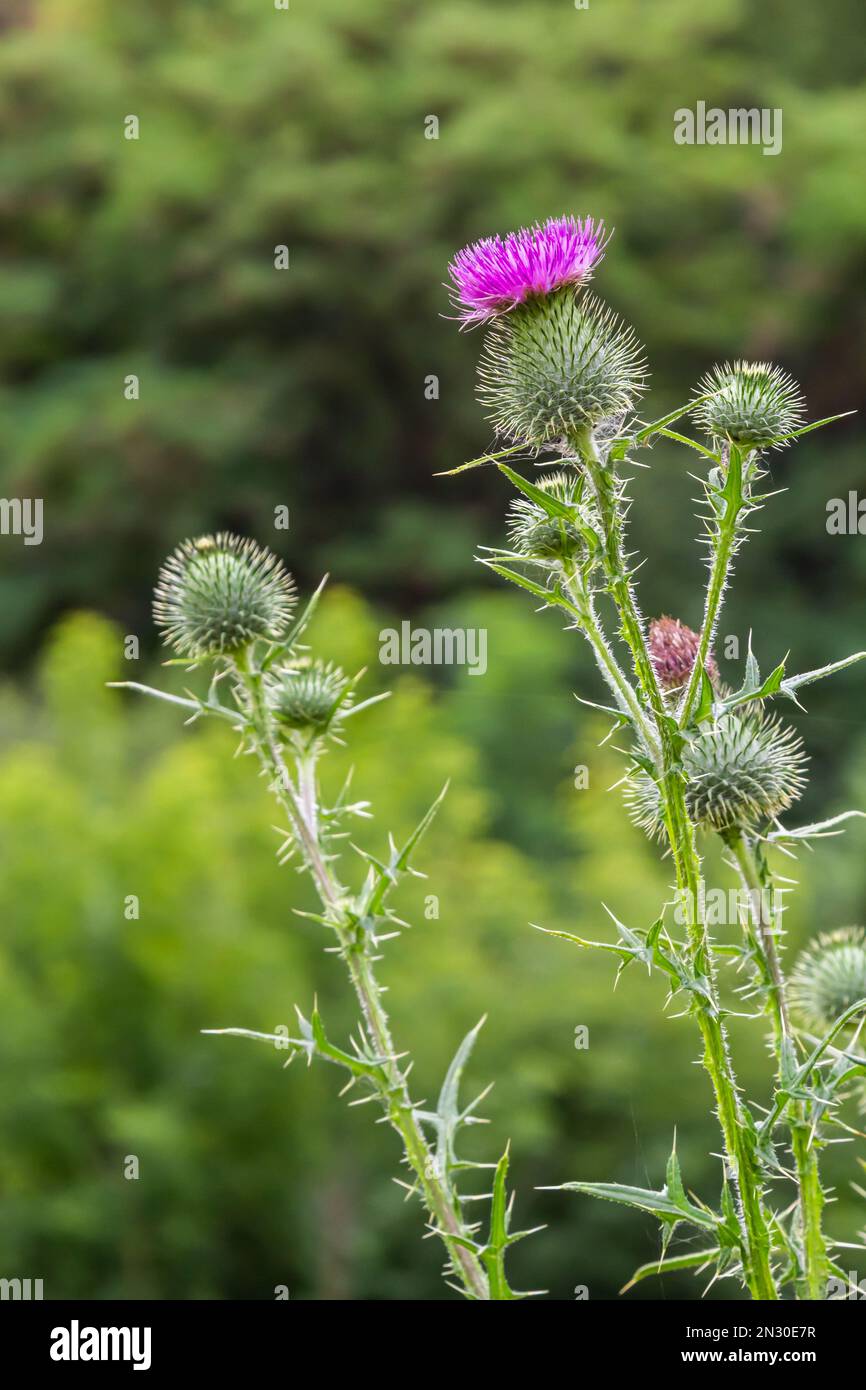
<point x="583" y="606"/>
<point x="741" y="1160"/>
<point x="724" y="547"/>
<point x="299" y="799"/>
<point x="757" y="880"/>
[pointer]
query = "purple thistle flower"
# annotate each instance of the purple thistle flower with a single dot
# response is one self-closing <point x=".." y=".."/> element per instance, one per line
<point x="673" y="651"/>
<point x="493" y="276"/>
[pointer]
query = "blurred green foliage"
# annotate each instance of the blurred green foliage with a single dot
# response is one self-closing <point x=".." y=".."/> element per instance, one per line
<point x="306" y="388"/>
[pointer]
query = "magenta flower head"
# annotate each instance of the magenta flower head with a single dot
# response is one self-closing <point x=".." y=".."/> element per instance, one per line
<point x="493" y="276"/>
<point x="673" y="651"/>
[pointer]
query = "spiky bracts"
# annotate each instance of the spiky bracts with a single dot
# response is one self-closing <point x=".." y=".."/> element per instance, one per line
<point x="829" y="977"/>
<point x="309" y="700"/>
<point x="673" y="648"/>
<point x="752" y="404"/>
<point x="217" y="594"/>
<point x="538" y="536"/>
<point x="494" y="275"/>
<point x="557" y="364"/>
<point x="741" y="771"/>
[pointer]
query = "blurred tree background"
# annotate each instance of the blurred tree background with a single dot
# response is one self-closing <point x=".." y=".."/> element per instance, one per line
<point x="309" y="388"/>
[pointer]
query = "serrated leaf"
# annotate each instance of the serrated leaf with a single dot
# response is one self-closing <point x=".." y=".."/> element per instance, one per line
<point x="706" y="699"/>
<point x="559" y="511"/>
<point x="448" y="1108"/>
<point x="482" y="459"/>
<point x="816" y="425"/>
<point x="658" y="1204"/>
<point x="519" y="579"/>
<point x="673" y="1177"/>
<point x="298" y="626"/>
<point x="671" y="1265"/>
<point x="816" y="830"/>
<point x="646" y="431"/>
<point x="792" y="684"/>
<point x="692" y="443"/>
<point x="802" y="1073"/>
<point x="493" y="1254"/>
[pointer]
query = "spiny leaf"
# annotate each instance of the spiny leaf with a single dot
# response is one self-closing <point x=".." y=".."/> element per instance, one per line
<point x="647" y="431"/>
<point x="817" y="830"/>
<point x="298" y="626"/>
<point x="519" y="579"/>
<point x="792" y="684"/>
<point x="692" y="444"/>
<point x="670" y="1265"/>
<point x="817" y="425"/>
<point x="484" y="458"/>
<point x="658" y="1204"/>
<point x="383" y="877"/>
<point x="551" y="505"/>
<point x="493" y="1254"/>
<point x="802" y="1074"/>
<point x="448" y="1107"/>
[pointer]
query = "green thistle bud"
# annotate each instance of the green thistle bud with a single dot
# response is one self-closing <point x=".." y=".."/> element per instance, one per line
<point x="829" y="977"/>
<point x="541" y="537"/>
<point x="217" y="594"/>
<point x="739" y="772"/>
<point x="752" y="404"/>
<point x="311" y="699"/>
<point x="558" y="363"/>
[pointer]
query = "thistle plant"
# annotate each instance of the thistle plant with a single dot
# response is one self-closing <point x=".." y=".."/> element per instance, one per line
<point x="230" y="609"/>
<point x="562" y="376"/>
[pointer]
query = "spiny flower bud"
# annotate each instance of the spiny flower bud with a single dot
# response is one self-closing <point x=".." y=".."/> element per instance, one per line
<point x="217" y="594"/>
<point x="541" y="537"/>
<point x="829" y="977"/>
<point x="750" y="403"/>
<point x="556" y="364"/>
<point x="309" y="700"/>
<point x="740" y="771"/>
<point x="673" y="650"/>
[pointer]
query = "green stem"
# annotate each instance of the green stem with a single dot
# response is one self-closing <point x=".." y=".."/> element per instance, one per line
<point x="815" y="1257"/>
<point x="758" y="882"/>
<point x="724" y="547"/>
<point x="741" y="1159"/>
<point x="758" y="885"/>
<point x="300" y="803"/>
<point x="583" y="607"/>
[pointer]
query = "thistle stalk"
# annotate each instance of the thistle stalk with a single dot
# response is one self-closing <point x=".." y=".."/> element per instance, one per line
<point x="300" y="801"/>
<point x="583" y="607"/>
<point x="559" y="370"/>
<point x="757" y="879"/>
<point x="729" y="504"/>
<point x="230" y="603"/>
<point x="725" y="543"/>
<point x="740" y="1155"/>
